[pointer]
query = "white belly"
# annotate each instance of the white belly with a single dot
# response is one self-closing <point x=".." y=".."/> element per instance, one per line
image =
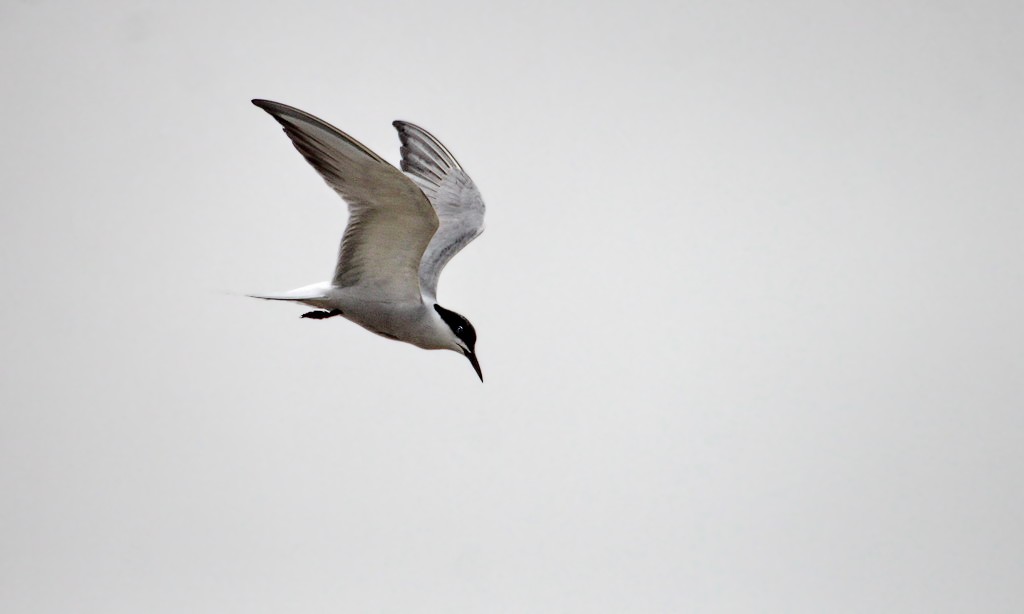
<point x="409" y="322"/>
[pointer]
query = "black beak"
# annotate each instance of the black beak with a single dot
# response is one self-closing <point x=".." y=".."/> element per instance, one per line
<point x="473" y="361"/>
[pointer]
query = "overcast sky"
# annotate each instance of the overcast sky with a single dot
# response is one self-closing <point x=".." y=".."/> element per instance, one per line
<point x="749" y="311"/>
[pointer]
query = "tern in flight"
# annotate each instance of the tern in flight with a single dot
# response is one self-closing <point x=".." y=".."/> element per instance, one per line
<point x="402" y="230"/>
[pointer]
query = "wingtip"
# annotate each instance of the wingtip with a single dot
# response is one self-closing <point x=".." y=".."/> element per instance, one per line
<point x="276" y="108"/>
<point x="266" y="105"/>
<point x="404" y="126"/>
<point x="280" y="112"/>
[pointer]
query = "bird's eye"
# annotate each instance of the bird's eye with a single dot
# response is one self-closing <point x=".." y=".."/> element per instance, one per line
<point x="458" y="330"/>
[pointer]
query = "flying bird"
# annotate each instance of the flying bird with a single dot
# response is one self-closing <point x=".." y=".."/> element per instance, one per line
<point x="402" y="230"/>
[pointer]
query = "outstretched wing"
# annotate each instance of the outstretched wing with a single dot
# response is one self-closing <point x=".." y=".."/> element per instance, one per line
<point x="390" y="220"/>
<point x="457" y="202"/>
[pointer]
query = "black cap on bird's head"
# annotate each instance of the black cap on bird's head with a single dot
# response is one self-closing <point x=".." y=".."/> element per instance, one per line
<point x="465" y="332"/>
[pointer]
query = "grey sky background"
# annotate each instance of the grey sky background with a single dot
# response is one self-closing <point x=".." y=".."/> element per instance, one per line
<point x="748" y="304"/>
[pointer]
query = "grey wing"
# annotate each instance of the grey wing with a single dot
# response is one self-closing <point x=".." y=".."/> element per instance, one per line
<point x="456" y="200"/>
<point x="390" y="223"/>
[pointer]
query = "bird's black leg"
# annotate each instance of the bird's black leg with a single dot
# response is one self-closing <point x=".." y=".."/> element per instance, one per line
<point x="320" y="315"/>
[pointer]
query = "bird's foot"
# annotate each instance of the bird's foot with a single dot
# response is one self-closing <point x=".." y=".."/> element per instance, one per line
<point x="320" y="315"/>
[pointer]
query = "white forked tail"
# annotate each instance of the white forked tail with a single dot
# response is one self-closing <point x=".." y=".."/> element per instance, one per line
<point x="311" y="292"/>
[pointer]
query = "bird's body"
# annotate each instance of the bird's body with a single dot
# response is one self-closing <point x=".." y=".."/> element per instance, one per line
<point x="409" y="321"/>
<point x="402" y="230"/>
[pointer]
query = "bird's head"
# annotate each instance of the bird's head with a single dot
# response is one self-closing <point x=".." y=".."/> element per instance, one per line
<point x="463" y="336"/>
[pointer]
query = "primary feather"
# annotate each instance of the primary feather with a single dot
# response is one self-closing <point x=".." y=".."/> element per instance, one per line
<point x="454" y="196"/>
